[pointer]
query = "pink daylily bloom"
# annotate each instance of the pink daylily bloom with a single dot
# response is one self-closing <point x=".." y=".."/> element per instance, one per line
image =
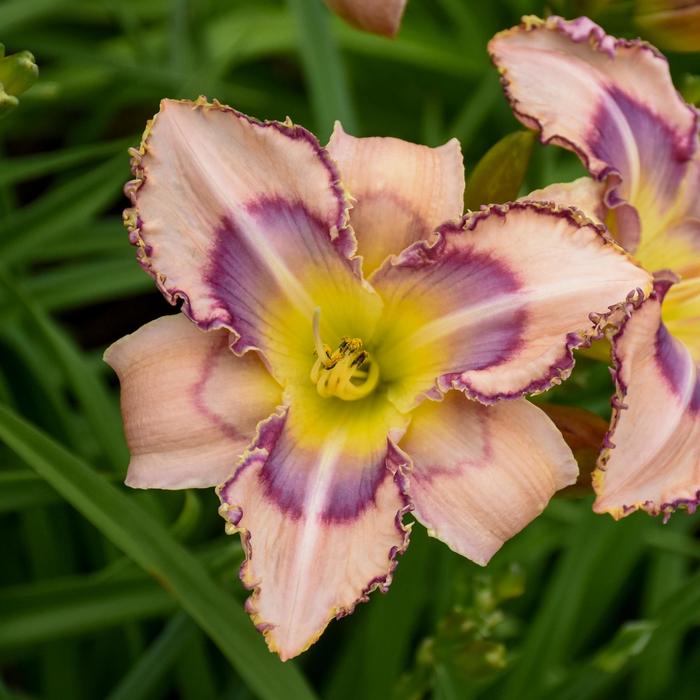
<point x="371" y="16"/>
<point x="612" y="101"/>
<point x="347" y="391"/>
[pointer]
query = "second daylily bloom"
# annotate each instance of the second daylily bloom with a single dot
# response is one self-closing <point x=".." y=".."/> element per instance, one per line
<point x="330" y="392"/>
<point x="613" y="103"/>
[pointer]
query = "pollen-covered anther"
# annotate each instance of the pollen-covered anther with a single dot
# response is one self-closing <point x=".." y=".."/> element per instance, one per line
<point x="348" y="373"/>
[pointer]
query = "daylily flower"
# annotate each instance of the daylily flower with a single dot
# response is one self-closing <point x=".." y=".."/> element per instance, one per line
<point x="336" y="392"/>
<point x="369" y="15"/>
<point x="613" y="103"/>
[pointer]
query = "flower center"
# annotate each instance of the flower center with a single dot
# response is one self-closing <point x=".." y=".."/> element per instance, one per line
<point x="348" y="373"/>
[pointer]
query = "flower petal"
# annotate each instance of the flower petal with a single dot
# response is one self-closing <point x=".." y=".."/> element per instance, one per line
<point x="402" y="191"/>
<point x="584" y="194"/>
<point x="610" y="100"/>
<point x="320" y="512"/>
<point x="189" y="405"/>
<point x="677" y="246"/>
<point x="655" y="431"/>
<point x="245" y="221"/>
<point x="681" y="313"/>
<point x="494" y="307"/>
<point x="371" y="16"/>
<point x="482" y="473"/>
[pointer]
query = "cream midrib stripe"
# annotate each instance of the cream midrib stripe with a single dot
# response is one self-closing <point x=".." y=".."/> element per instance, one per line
<point x="314" y="504"/>
<point x="448" y="324"/>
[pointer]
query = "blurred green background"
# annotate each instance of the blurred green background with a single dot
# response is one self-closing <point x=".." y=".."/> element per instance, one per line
<point x="111" y="593"/>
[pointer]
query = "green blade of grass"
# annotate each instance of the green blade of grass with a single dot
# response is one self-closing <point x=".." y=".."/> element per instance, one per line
<point x="667" y="572"/>
<point x="323" y="67"/>
<point x="61" y="209"/>
<point x="150" y="545"/>
<point x="100" y="411"/>
<point x="151" y="669"/>
<point x="20" y="169"/>
<point x="554" y="630"/>
<point x="60" y="608"/>
<point x="88" y="283"/>
<point x="195" y="672"/>
<point x="20" y="488"/>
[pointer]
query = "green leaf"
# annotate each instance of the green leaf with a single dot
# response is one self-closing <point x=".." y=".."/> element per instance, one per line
<point x="498" y="176"/>
<point x="477" y="108"/>
<point x="61" y="209"/>
<point x="150" y="545"/>
<point x="563" y="620"/>
<point x="88" y="283"/>
<point x="323" y="67"/>
<point x="27" y="167"/>
<point x="100" y="411"/>
<point x="73" y="605"/>
<point x="20" y="488"/>
<point x="144" y="678"/>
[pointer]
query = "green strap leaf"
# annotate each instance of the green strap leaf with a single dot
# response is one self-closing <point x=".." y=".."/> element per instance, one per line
<point x="151" y="546"/>
<point x="323" y="66"/>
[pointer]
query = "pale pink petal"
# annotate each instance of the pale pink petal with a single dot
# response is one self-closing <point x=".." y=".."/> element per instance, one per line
<point x="494" y="307"/>
<point x="189" y="405"/>
<point x="379" y="17"/>
<point x="482" y="473"/>
<point x="319" y="503"/>
<point x="610" y="100"/>
<point x="652" y="460"/>
<point x="245" y="222"/>
<point x="402" y="191"/>
<point x="584" y="194"/>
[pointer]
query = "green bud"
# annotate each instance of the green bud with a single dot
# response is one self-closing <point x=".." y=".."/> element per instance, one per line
<point x="498" y="176"/>
<point x="630" y="641"/>
<point x="18" y="72"/>
<point x="7" y="102"/>
<point x="690" y="89"/>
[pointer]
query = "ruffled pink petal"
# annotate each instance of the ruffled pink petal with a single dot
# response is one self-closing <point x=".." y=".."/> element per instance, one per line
<point x="497" y="304"/>
<point x="610" y="100"/>
<point x="189" y="405"/>
<point x="585" y="194"/>
<point x="482" y="473"/>
<point x="245" y="222"/>
<point x="371" y="16"/>
<point x="402" y="191"/>
<point x="652" y="460"/>
<point x="320" y="517"/>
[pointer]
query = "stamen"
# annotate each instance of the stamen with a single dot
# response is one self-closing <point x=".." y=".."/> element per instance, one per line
<point x="348" y="373"/>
